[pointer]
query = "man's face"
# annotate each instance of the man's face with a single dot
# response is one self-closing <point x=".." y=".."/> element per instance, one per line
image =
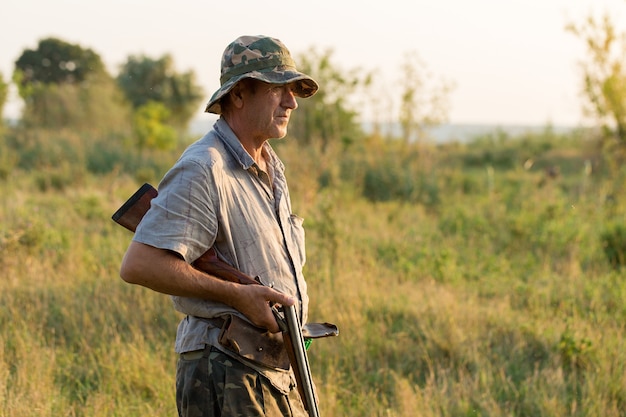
<point x="268" y="108"/>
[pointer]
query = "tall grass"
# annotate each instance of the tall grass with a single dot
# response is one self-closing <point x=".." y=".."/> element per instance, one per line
<point x="462" y="286"/>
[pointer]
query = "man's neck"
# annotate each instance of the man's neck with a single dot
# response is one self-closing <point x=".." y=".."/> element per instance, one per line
<point x="253" y="146"/>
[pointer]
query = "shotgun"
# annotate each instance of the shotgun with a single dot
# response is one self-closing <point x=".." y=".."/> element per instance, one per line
<point x="130" y="214"/>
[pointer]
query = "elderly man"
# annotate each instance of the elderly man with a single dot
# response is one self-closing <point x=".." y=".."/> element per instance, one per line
<point x="228" y="191"/>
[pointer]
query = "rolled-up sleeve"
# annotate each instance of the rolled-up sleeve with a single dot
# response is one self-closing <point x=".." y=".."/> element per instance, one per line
<point x="181" y="218"/>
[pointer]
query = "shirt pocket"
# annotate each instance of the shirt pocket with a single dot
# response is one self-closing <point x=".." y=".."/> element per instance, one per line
<point x="297" y="233"/>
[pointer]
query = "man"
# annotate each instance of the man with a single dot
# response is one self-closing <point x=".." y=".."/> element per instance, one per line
<point x="228" y="191"/>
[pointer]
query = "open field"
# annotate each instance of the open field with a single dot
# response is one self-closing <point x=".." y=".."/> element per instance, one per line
<point x="463" y="284"/>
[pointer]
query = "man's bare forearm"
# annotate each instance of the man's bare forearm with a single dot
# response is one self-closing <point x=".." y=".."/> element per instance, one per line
<point x="165" y="272"/>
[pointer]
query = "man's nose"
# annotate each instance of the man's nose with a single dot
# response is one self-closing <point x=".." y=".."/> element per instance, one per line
<point x="289" y="99"/>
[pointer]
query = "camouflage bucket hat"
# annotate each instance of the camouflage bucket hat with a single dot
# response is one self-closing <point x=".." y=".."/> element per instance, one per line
<point x="262" y="58"/>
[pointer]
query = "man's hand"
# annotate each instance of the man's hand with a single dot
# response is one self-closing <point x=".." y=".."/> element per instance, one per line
<point x="254" y="302"/>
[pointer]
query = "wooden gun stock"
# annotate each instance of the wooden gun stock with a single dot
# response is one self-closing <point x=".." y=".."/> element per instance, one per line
<point x="130" y="214"/>
<point x="132" y="211"/>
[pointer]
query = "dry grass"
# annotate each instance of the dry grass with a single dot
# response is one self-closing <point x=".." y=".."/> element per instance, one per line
<point x="494" y="301"/>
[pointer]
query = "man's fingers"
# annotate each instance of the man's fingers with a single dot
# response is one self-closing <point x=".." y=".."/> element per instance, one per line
<point x="257" y="305"/>
<point x="277" y="297"/>
<point x="285" y="300"/>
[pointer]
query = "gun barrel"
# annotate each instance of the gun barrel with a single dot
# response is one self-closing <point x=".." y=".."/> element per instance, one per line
<point x="301" y="360"/>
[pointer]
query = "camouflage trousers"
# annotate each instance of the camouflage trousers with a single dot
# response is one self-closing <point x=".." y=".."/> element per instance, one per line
<point x="211" y="384"/>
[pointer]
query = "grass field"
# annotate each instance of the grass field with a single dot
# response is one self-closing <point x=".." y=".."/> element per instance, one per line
<point x="475" y="285"/>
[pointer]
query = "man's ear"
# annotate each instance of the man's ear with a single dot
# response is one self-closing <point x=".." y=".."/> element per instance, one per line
<point x="236" y="95"/>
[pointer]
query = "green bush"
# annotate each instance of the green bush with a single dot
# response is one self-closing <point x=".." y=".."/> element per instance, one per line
<point x="104" y="156"/>
<point x="614" y="244"/>
<point x="8" y="161"/>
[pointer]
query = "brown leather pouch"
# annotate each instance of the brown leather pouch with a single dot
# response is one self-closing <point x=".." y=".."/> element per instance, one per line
<point x="254" y="343"/>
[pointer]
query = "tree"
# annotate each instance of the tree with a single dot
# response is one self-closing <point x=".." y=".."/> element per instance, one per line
<point x="604" y="80"/>
<point x="327" y="116"/>
<point x="57" y="62"/>
<point x="4" y="92"/>
<point x="149" y="127"/>
<point x="144" y="80"/>
<point x="422" y="104"/>
<point x="66" y="86"/>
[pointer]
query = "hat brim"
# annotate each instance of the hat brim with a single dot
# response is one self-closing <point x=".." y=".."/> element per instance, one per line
<point x="305" y="86"/>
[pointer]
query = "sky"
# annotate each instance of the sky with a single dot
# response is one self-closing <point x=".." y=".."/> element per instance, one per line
<point x="511" y="62"/>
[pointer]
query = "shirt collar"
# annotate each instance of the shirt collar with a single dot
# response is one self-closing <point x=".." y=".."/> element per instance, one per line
<point x="235" y="147"/>
<point x="233" y="144"/>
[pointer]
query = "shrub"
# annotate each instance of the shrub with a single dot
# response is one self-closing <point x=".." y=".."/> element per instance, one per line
<point x="614" y="244"/>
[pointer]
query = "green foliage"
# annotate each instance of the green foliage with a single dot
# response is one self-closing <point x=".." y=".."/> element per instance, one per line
<point x="576" y="353"/>
<point x="494" y="150"/>
<point x="150" y="129"/>
<point x="109" y="154"/>
<point x="66" y="86"/>
<point x="95" y="106"/>
<point x="145" y="80"/>
<point x="4" y="92"/>
<point x="8" y="159"/>
<point x="604" y="80"/>
<point x="422" y="104"/>
<point x="60" y="159"/>
<point x="399" y="177"/>
<point x="56" y="62"/>
<point x="379" y="171"/>
<point x="614" y="243"/>
<point x="328" y="115"/>
<point x="56" y="159"/>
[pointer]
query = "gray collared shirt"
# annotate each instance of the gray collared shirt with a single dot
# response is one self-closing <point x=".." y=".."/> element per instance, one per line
<point x="215" y="195"/>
